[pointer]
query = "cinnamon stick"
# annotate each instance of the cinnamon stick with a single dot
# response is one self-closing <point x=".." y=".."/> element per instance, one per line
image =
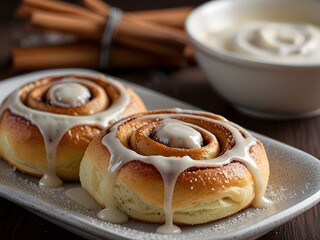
<point x="24" y="10"/>
<point x="83" y="55"/>
<point x="98" y="6"/>
<point x="64" y="7"/>
<point x="129" y="26"/>
<point x="172" y="17"/>
<point x="69" y="55"/>
<point x="66" y="23"/>
<point x="161" y="40"/>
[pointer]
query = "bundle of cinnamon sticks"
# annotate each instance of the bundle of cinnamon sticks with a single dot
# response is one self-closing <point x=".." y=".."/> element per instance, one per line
<point x="140" y="39"/>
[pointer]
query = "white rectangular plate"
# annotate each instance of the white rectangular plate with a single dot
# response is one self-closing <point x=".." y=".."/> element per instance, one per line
<point x="294" y="187"/>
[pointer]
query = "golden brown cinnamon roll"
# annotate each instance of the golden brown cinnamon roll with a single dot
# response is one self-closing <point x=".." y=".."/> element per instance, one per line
<point x="46" y="125"/>
<point x="175" y="166"/>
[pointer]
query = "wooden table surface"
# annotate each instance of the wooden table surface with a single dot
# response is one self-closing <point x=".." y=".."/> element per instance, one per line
<point x="187" y="84"/>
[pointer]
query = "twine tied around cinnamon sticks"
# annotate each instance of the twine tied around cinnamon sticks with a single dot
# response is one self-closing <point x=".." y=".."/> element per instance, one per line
<point x="106" y="37"/>
<point x="115" y="15"/>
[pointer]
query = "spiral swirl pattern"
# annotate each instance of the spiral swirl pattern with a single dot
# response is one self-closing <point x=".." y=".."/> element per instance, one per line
<point x="60" y="117"/>
<point x="137" y="158"/>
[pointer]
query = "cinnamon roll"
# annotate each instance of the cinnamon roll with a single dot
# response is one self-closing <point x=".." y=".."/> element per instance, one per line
<point x="46" y="125"/>
<point x="175" y="167"/>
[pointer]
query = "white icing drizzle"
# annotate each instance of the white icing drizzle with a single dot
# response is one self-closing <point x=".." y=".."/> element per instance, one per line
<point x="178" y="135"/>
<point x="53" y="126"/>
<point x="111" y="213"/>
<point x="277" y="39"/>
<point x="171" y="167"/>
<point x="68" y="94"/>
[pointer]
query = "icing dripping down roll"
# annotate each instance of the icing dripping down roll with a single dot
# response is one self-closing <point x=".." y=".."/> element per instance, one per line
<point x="47" y="124"/>
<point x="127" y="168"/>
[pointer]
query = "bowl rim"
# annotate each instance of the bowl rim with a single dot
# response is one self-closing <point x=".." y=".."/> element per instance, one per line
<point x="229" y="56"/>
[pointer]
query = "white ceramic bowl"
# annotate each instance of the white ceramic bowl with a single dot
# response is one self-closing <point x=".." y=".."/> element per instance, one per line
<point x="259" y="86"/>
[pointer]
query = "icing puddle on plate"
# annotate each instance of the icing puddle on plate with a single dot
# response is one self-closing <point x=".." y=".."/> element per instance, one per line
<point x="66" y="201"/>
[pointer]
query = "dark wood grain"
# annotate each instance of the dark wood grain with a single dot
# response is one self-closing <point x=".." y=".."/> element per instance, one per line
<point x="189" y="85"/>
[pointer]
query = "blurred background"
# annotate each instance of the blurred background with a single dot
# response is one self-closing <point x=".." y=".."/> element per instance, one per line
<point x="14" y="29"/>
